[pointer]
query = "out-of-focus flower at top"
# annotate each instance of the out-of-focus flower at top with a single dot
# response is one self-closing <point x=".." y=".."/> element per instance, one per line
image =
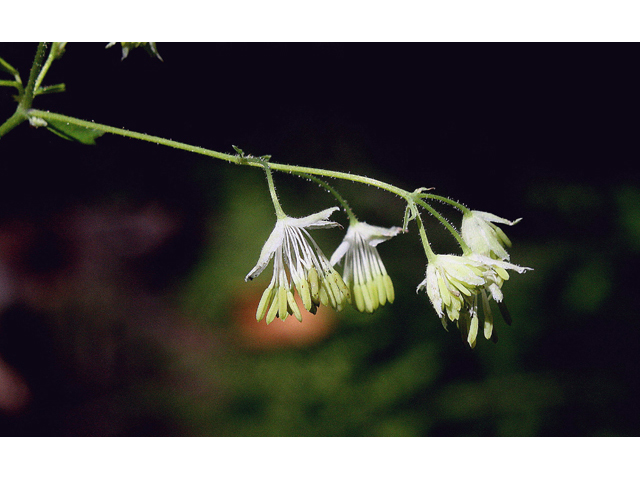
<point x="150" y="47"/>
<point x="483" y="237"/>
<point x="299" y="262"/>
<point x="364" y="273"/>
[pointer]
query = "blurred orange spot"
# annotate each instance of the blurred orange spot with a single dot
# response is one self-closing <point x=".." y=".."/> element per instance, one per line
<point x="288" y="333"/>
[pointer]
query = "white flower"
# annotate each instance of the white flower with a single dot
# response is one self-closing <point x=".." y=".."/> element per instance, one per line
<point x="299" y="262"/>
<point x="364" y="273"/>
<point x="483" y="237"/>
<point x="453" y="284"/>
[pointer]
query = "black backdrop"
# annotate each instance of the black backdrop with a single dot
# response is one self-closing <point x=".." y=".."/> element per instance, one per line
<point x="542" y="131"/>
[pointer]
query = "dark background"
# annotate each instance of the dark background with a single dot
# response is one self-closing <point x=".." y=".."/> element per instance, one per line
<point x="124" y="309"/>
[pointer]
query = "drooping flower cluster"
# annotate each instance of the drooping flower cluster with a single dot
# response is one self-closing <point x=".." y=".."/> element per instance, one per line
<point x="453" y="283"/>
<point x="299" y="262"/>
<point x="364" y="272"/>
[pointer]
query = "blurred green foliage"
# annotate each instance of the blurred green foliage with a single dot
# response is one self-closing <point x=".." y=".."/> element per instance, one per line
<point x="397" y="372"/>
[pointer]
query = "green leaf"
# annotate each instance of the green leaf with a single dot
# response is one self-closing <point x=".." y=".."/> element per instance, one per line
<point x="72" y="132"/>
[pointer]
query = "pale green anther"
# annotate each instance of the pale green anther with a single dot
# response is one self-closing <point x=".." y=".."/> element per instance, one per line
<point x="460" y="286"/>
<point x="282" y="303"/>
<point x="343" y="286"/>
<point x="273" y="311"/>
<point x="375" y="296"/>
<point x="473" y="330"/>
<point x="366" y="294"/>
<point x="294" y="306"/>
<point x="382" y="289"/>
<point x="444" y="291"/>
<point x="303" y="290"/>
<point x="488" y="316"/>
<point x="334" y="292"/>
<point x="502" y="272"/>
<point x="373" y="291"/>
<point x="453" y="310"/>
<point x="323" y="296"/>
<point x="265" y="302"/>
<point x="338" y="288"/>
<point x="357" y="295"/>
<point x="391" y="294"/>
<point x="314" y="283"/>
<point x="329" y="287"/>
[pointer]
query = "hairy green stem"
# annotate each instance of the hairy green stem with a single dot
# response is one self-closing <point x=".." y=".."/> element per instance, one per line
<point x="53" y="52"/>
<point x="423" y="234"/>
<point x="222" y="156"/>
<point x="4" y="65"/>
<point x="13" y="121"/>
<point x="26" y="96"/>
<point x="274" y="196"/>
<point x="140" y="136"/>
<point x="9" y="83"/>
<point x="446" y="223"/>
<point x="334" y="192"/>
<point x="457" y="205"/>
<point x="36" y="68"/>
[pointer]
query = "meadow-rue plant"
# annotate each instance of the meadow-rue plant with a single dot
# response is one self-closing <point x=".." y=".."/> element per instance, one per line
<point x="455" y="284"/>
<point x="364" y="272"/>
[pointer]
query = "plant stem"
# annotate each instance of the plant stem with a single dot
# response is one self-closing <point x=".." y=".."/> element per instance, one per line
<point x="222" y="156"/>
<point x="352" y="217"/>
<point x="12" y="122"/>
<point x="45" y="68"/>
<point x="9" y="83"/>
<point x="457" y="205"/>
<point x="26" y="97"/>
<point x="423" y="234"/>
<point x="36" y="68"/>
<point x="4" y="65"/>
<point x="274" y="196"/>
<point x="139" y="136"/>
<point x="446" y="223"/>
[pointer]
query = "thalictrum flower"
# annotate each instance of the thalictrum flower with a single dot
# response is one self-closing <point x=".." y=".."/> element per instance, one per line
<point x="483" y="237"/>
<point x="453" y="284"/>
<point x="299" y="262"/>
<point x="364" y="273"/>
